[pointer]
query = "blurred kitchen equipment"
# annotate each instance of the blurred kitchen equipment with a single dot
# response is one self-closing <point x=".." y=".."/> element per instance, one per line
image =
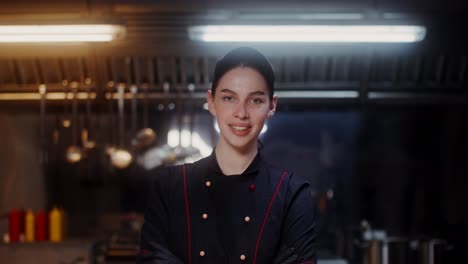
<point x="433" y="250"/>
<point x="146" y="137"/>
<point x="192" y="153"/>
<point x="179" y="150"/>
<point x="378" y="248"/>
<point x="43" y="152"/>
<point x="73" y="152"/>
<point x="134" y="111"/>
<point x="66" y="120"/>
<point x="156" y="156"/>
<point x="42" y="89"/>
<point x="121" y="158"/>
<point x="85" y="141"/>
<point x="111" y="146"/>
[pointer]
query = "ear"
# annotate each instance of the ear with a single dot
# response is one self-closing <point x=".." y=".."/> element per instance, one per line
<point x="273" y="104"/>
<point x="210" y="101"/>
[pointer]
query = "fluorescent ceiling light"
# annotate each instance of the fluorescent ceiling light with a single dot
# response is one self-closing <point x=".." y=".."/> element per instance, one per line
<point x="317" y="94"/>
<point x="304" y="33"/>
<point x="48" y="96"/>
<point x="303" y="16"/>
<point x="60" y="33"/>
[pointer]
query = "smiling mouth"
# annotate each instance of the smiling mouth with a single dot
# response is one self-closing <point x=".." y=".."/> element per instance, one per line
<point x="240" y="128"/>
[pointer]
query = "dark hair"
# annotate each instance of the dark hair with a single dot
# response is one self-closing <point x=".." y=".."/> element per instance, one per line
<point x="245" y="57"/>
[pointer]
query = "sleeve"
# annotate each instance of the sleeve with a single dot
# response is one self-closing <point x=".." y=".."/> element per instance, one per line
<point x="154" y="246"/>
<point x="299" y="230"/>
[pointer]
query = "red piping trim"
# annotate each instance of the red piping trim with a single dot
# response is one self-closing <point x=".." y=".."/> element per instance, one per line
<point x="144" y="251"/>
<point x="266" y="216"/>
<point x="187" y="214"/>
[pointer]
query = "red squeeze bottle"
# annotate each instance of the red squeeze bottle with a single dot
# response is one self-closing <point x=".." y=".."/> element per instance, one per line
<point x="41" y="226"/>
<point x="14" y="225"/>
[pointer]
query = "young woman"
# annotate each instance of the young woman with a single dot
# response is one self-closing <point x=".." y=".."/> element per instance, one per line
<point x="232" y="207"/>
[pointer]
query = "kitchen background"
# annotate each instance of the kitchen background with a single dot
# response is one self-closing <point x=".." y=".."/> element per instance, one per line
<point x="378" y="128"/>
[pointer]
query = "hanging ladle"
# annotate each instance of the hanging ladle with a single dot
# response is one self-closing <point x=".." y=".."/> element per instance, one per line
<point x="85" y="141"/>
<point x="66" y="121"/>
<point x="145" y="137"/>
<point x="120" y="157"/>
<point x="73" y="152"/>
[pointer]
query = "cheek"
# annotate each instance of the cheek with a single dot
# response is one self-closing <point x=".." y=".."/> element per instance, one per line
<point x="261" y="115"/>
<point x="222" y="114"/>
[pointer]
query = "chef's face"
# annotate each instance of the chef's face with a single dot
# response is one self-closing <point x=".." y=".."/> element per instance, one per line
<point x="241" y="104"/>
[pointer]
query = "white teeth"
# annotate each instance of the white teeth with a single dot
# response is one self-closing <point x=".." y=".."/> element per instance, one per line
<point x="238" y="128"/>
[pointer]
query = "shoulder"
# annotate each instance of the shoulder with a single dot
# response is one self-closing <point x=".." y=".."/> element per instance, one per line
<point x="165" y="177"/>
<point x="294" y="189"/>
<point x="289" y="176"/>
<point x="201" y="164"/>
<point x="173" y="175"/>
<point x="291" y="184"/>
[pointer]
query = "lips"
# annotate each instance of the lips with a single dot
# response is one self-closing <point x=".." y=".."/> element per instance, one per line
<point x="240" y="130"/>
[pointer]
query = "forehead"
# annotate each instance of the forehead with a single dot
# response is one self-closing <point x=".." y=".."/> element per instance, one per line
<point x="243" y="80"/>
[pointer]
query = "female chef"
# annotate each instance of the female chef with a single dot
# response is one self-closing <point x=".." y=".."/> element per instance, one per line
<point x="232" y="206"/>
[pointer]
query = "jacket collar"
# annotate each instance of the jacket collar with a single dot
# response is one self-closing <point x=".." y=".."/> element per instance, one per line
<point x="251" y="169"/>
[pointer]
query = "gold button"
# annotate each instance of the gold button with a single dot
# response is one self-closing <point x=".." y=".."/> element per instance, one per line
<point x="242" y="257"/>
<point x="204" y="216"/>
<point x="202" y="253"/>
<point x="208" y="184"/>
<point x="247" y="219"/>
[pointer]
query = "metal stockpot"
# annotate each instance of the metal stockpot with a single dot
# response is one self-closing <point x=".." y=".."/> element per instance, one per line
<point x="389" y="251"/>
<point x="401" y="250"/>
<point x="432" y="251"/>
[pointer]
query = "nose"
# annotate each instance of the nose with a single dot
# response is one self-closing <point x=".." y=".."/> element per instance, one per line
<point x="241" y="111"/>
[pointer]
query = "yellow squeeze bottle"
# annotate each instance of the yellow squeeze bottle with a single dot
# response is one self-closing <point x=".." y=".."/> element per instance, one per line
<point x="55" y="225"/>
<point x="29" y="226"/>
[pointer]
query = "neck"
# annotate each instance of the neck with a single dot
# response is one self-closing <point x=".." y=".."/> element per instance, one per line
<point x="234" y="161"/>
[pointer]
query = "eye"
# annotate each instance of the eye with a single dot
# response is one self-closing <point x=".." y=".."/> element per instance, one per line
<point x="227" y="98"/>
<point x="257" y="100"/>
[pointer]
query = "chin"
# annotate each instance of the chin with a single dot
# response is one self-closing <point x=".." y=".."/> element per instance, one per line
<point x="241" y="144"/>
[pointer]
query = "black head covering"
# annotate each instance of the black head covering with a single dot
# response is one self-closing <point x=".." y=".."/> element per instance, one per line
<point x="245" y="57"/>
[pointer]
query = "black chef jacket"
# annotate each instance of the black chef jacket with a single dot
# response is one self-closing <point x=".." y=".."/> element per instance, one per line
<point x="195" y="214"/>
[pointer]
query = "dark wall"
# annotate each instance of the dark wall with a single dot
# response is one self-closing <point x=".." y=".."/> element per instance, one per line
<point x="410" y="168"/>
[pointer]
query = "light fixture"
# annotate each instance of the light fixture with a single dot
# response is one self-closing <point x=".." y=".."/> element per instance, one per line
<point x="307" y="33"/>
<point x="61" y="33"/>
<point x="317" y="94"/>
<point x="48" y="96"/>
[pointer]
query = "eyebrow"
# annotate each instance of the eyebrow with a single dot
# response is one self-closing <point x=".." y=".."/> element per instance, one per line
<point x="225" y="90"/>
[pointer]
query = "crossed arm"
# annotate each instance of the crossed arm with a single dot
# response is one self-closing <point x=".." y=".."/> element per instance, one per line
<point x="298" y="232"/>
